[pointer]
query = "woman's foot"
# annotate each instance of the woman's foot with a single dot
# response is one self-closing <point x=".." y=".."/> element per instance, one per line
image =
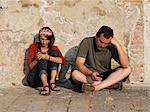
<point x="53" y="87"/>
<point x="45" y="91"/>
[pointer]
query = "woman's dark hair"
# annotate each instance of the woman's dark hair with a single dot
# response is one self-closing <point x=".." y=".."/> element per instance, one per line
<point x="107" y="31"/>
<point x="49" y="37"/>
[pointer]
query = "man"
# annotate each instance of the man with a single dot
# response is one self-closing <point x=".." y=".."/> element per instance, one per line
<point x="94" y="61"/>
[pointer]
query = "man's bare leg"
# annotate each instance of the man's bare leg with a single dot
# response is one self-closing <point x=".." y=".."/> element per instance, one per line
<point x="80" y="77"/>
<point x="114" y="77"/>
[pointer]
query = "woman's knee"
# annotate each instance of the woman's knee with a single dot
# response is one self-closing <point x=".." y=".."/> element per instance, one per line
<point x="54" y="53"/>
<point x="42" y="65"/>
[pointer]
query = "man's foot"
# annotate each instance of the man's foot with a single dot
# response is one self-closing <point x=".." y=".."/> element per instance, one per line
<point x="117" y="86"/>
<point x="96" y="83"/>
<point x="87" y="88"/>
<point x="45" y="91"/>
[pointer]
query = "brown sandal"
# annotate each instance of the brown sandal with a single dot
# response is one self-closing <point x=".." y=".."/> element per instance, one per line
<point x="117" y="86"/>
<point x="45" y="92"/>
<point x="54" y="88"/>
<point x="87" y="88"/>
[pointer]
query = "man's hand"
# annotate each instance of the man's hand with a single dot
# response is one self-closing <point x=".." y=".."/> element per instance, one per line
<point x="95" y="77"/>
<point x="114" y="41"/>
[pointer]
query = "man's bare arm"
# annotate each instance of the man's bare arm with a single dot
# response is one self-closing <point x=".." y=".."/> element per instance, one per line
<point x="82" y="68"/>
<point x="123" y="58"/>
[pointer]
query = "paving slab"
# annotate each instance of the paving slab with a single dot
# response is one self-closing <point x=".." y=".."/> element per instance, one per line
<point x="26" y="99"/>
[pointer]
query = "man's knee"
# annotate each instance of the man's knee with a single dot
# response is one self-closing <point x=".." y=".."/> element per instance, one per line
<point x="128" y="70"/>
<point x="75" y="75"/>
<point x="127" y="73"/>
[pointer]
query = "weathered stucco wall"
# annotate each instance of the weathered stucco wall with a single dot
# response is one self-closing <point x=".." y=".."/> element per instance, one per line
<point x="147" y="42"/>
<point x="71" y="21"/>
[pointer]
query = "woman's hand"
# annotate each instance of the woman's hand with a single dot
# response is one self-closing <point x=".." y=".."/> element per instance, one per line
<point x="39" y="56"/>
<point x="45" y="56"/>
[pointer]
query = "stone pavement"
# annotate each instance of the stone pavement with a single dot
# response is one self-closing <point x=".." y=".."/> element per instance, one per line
<point x="25" y="99"/>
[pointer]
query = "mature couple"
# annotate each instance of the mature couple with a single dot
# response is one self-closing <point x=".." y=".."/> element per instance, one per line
<point x="93" y="63"/>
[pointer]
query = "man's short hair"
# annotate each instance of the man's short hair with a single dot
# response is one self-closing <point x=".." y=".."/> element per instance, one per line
<point x="107" y="31"/>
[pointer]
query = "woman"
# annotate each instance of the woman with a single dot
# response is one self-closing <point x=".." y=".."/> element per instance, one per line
<point x="43" y="60"/>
